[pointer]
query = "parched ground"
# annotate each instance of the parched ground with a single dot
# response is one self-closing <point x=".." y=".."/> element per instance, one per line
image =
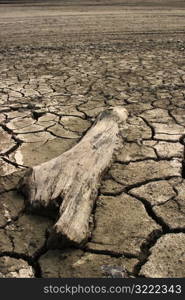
<point x="60" y="66"/>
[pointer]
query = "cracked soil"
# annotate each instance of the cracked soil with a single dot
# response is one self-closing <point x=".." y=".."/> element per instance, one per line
<point x="60" y="66"/>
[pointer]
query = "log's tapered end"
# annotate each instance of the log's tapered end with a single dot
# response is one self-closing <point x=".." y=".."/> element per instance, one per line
<point x="120" y="112"/>
<point x="117" y="113"/>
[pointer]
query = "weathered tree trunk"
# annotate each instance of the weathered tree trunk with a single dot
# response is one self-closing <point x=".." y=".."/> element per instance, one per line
<point x="72" y="179"/>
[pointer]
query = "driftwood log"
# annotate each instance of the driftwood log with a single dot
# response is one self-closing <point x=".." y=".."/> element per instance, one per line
<point x="72" y="179"/>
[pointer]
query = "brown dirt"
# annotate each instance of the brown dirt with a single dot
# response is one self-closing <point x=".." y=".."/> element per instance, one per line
<point x="61" y="63"/>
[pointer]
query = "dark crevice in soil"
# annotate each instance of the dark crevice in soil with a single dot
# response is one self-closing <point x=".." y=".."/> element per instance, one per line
<point x="42" y="250"/>
<point x="62" y="137"/>
<point x="5" y="191"/>
<point x="170" y="113"/>
<point x="138" y="184"/>
<point x="183" y="169"/>
<point x="8" y="130"/>
<point x="151" y="213"/>
<point x="110" y="253"/>
<point x="176" y="230"/>
<point x="145" y="250"/>
<point x="182" y="141"/>
<point x="126" y="189"/>
<point x="11" y="150"/>
<point x="150" y="126"/>
<point x="31" y="260"/>
<point x="152" y="239"/>
<point x="86" y="117"/>
<point x="36" y="115"/>
<point x="70" y="130"/>
<point x="33" y="263"/>
<point x="112" y="194"/>
<point x="13" y="163"/>
<point x="166" y="140"/>
<point x="17" y="141"/>
<point x="146" y="159"/>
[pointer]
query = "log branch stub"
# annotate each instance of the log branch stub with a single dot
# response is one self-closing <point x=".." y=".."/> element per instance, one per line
<point x="71" y="180"/>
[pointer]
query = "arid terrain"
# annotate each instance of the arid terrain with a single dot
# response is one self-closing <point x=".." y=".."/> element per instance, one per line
<point x="61" y="64"/>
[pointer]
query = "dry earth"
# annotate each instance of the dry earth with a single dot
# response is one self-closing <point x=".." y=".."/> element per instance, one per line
<point x="60" y="65"/>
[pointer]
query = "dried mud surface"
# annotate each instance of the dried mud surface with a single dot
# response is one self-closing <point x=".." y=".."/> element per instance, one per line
<point x="60" y="66"/>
